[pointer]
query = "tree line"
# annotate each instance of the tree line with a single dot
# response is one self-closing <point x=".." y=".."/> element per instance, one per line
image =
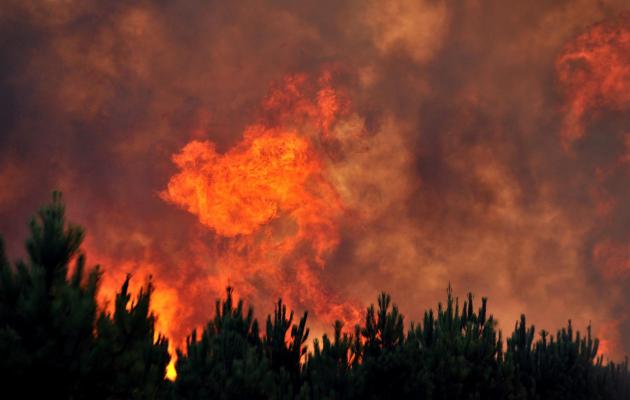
<point x="55" y="341"/>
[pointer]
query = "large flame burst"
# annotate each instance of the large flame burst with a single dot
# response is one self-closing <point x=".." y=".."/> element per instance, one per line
<point x="269" y="200"/>
<point x="270" y="173"/>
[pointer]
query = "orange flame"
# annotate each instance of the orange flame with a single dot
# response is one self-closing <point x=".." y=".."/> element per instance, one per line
<point x="610" y="339"/>
<point x="594" y="71"/>
<point x="269" y="198"/>
<point x="273" y="209"/>
<point x="163" y="298"/>
<point x="267" y="174"/>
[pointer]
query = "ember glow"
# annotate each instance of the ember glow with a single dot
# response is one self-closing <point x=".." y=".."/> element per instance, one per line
<point x="326" y="151"/>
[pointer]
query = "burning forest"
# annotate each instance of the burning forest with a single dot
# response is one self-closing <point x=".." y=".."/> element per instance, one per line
<point x="321" y="153"/>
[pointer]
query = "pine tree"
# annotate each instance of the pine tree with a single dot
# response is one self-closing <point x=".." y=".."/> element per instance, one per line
<point x="227" y="360"/>
<point x="130" y="359"/>
<point x="48" y="309"/>
<point x="53" y="339"/>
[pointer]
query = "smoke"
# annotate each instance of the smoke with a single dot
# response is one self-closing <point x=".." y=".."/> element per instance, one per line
<point x="479" y="143"/>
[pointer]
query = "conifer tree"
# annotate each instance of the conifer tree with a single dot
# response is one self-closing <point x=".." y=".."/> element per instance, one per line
<point x="54" y="341"/>
<point x="226" y="361"/>
<point x="48" y="309"/>
<point x="130" y="359"/>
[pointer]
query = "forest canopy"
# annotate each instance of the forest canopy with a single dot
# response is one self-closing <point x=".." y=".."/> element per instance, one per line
<point x="55" y="338"/>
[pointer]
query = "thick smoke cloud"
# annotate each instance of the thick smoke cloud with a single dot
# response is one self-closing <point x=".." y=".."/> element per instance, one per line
<point x="452" y="162"/>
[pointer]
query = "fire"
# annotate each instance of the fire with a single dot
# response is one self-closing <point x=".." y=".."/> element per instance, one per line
<point x="300" y="101"/>
<point x="273" y="211"/>
<point x="163" y="299"/>
<point x="594" y="71"/>
<point x="610" y="338"/>
<point x="267" y="174"/>
<point x="269" y="199"/>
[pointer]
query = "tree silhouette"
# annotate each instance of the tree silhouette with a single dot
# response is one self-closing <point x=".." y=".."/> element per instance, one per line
<point x="227" y="361"/>
<point x="49" y="336"/>
<point x="54" y="338"/>
<point x="130" y="360"/>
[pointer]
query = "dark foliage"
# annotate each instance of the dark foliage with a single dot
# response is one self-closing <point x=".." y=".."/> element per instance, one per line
<point x="455" y="353"/>
<point x="56" y="343"/>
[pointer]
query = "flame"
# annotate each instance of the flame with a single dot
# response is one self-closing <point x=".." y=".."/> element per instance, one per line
<point x="594" y="72"/>
<point x="269" y="173"/>
<point x="164" y="299"/>
<point x="273" y="209"/>
<point x="270" y="200"/>
<point x="609" y="335"/>
<point x="297" y="100"/>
